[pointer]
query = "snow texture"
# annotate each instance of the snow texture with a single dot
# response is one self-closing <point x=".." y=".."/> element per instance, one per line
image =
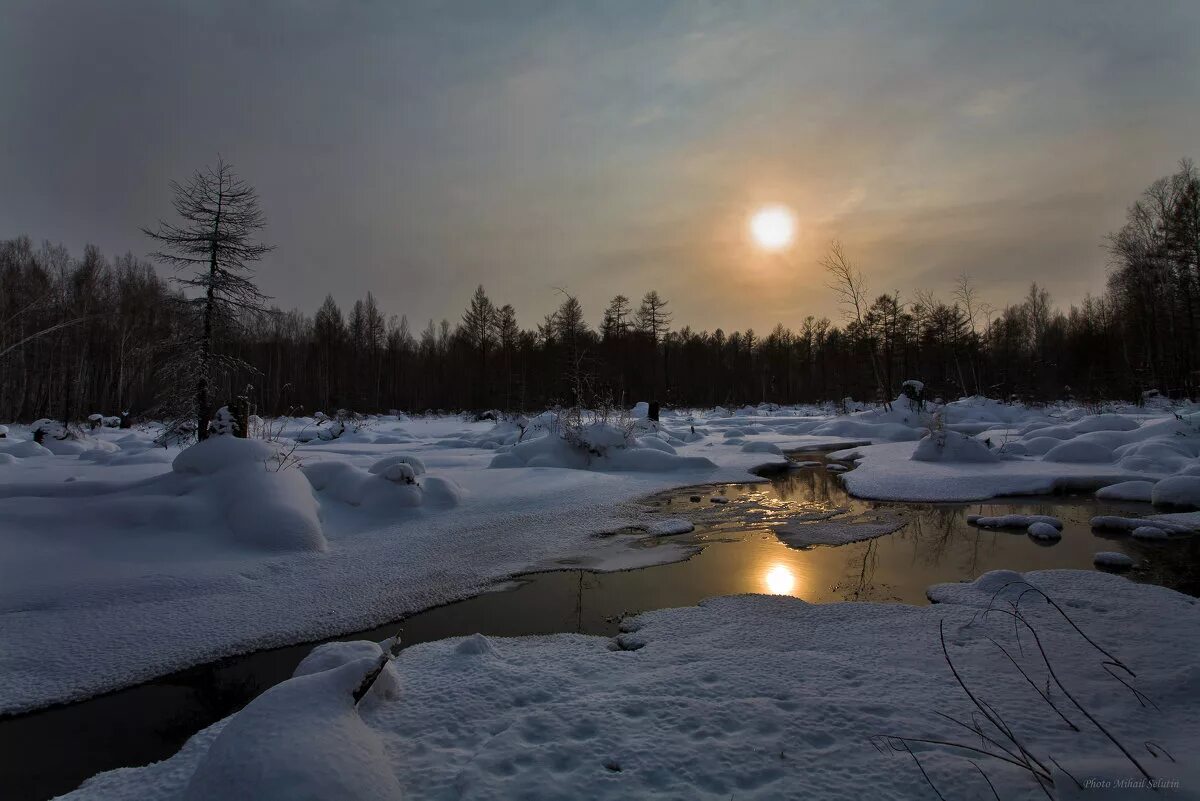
<point x="1113" y="559"/>
<point x="150" y="559"/>
<point x="751" y="697"/>
<point x="1044" y="531"/>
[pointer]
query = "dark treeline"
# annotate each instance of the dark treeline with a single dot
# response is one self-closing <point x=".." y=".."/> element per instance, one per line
<point x="87" y="334"/>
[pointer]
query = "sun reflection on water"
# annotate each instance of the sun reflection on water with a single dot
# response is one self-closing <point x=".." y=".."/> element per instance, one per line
<point x="780" y="580"/>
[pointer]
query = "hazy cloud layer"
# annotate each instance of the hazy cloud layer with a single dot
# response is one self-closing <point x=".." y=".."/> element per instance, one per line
<point x="419" y="148"/>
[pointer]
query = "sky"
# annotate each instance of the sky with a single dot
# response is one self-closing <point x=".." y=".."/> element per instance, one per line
<point x="417" y="149"/>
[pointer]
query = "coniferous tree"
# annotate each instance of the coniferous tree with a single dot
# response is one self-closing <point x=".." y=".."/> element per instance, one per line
<point x="213" y="241"/>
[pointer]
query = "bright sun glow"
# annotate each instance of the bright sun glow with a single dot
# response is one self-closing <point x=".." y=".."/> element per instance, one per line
<point x="780" y="580"/>
<point x="773" y="227"/>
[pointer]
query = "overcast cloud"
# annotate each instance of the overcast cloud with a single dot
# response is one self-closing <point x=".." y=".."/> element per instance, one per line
<point x="416" y="149"/>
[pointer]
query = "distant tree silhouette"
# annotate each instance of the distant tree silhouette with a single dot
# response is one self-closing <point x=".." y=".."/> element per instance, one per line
<point x="84" y="334"/>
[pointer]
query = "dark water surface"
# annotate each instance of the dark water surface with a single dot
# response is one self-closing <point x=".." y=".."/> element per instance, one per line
<point x="52" y="751"/>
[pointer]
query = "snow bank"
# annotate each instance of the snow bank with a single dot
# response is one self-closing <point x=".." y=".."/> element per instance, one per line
<point x="1116" y="523"/>
<point x="1181" y="491"/>
<point x="598" y="446"/>
<point x="1126" y="491"/>
<point x="1035" y="451"/>
<point x="750" y="696"/>
<point x="303" y="738"/>
<point x="200" y="553"/>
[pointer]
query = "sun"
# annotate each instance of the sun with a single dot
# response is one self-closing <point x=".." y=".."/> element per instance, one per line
<point x="773" y="227"/>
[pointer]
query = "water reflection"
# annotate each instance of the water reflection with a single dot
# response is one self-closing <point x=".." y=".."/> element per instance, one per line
<point x="742" y="553"/>
<point x="779" y="580"/>
<point x="53" y="751"/>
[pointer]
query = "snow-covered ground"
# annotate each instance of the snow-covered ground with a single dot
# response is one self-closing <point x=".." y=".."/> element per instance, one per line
<point x="147" y="560"/>
<point x="744" y="697"/>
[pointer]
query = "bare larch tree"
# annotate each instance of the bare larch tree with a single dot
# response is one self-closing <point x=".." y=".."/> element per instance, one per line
<point x="211" y="246"/>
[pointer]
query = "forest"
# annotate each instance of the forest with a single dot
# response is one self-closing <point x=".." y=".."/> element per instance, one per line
<point x="86" y="333"/>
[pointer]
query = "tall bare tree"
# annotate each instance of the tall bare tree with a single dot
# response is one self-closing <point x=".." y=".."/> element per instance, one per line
<point x="211" y="245"/>
<point x="848" y="283"/>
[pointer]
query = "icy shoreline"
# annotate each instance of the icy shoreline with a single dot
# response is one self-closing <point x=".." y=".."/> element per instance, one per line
<point x="132" y="616"/>
<point x="120" y="549"/>
<point x="755" y="696"/>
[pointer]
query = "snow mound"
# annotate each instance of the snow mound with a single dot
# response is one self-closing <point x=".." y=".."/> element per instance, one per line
<point x="1116" y="523"/>
<point x="394" y="486"/>
<point x="1104" y="422"/>
<point x="598" y="446"/>
<point x="951" y="446"/>
<point x="332" y="655"/>
<point x="1044" y="531"/>
<point x="762" y="447"/>
<point x="1112" y="559"/>
<point x="23" y="449"/>
<point x="1126" y="491"/>
<point x="302" y="739"/>
<point x="1013" y="521"/>
<point x="263" y="505"/>
<point x="868" y="430"/>
<point x="216" y="454"/>
<point x="1180" y="491"/>
<point x="1079" y="450"/>
<point x="670" y="526"/>
<point x="1150" y="533"/>
<point x="417" y="465"/>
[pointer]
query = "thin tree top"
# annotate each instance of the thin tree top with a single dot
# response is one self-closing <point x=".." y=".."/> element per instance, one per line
<point x="218" y="216"/>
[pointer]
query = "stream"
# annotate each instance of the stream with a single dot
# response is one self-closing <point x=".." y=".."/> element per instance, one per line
<point x="52" y="751"/>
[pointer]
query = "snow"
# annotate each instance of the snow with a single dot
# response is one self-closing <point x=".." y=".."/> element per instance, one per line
<point x="837" y="531"/>
<point x="1150" y="533"/>
<point x="597" y="446"/>
<point x="1037" y="450"/>
<point x="1127" y="491"/>
<point x="1162" y="522"/>
<point x="1181" y="491"/>
<point x="1014" y="521"/>
<point x="670" y="526"/>
<point x="1079" y="451"/>
<point x="150" y="559"/>
<point x="1044" y="531"/>
<point x="302" y="738"/>
<point x="951" y="446"/>
<point x="1113" y="559"/>
<point x="744" y="697"/>
<point x="762" y="447"/>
